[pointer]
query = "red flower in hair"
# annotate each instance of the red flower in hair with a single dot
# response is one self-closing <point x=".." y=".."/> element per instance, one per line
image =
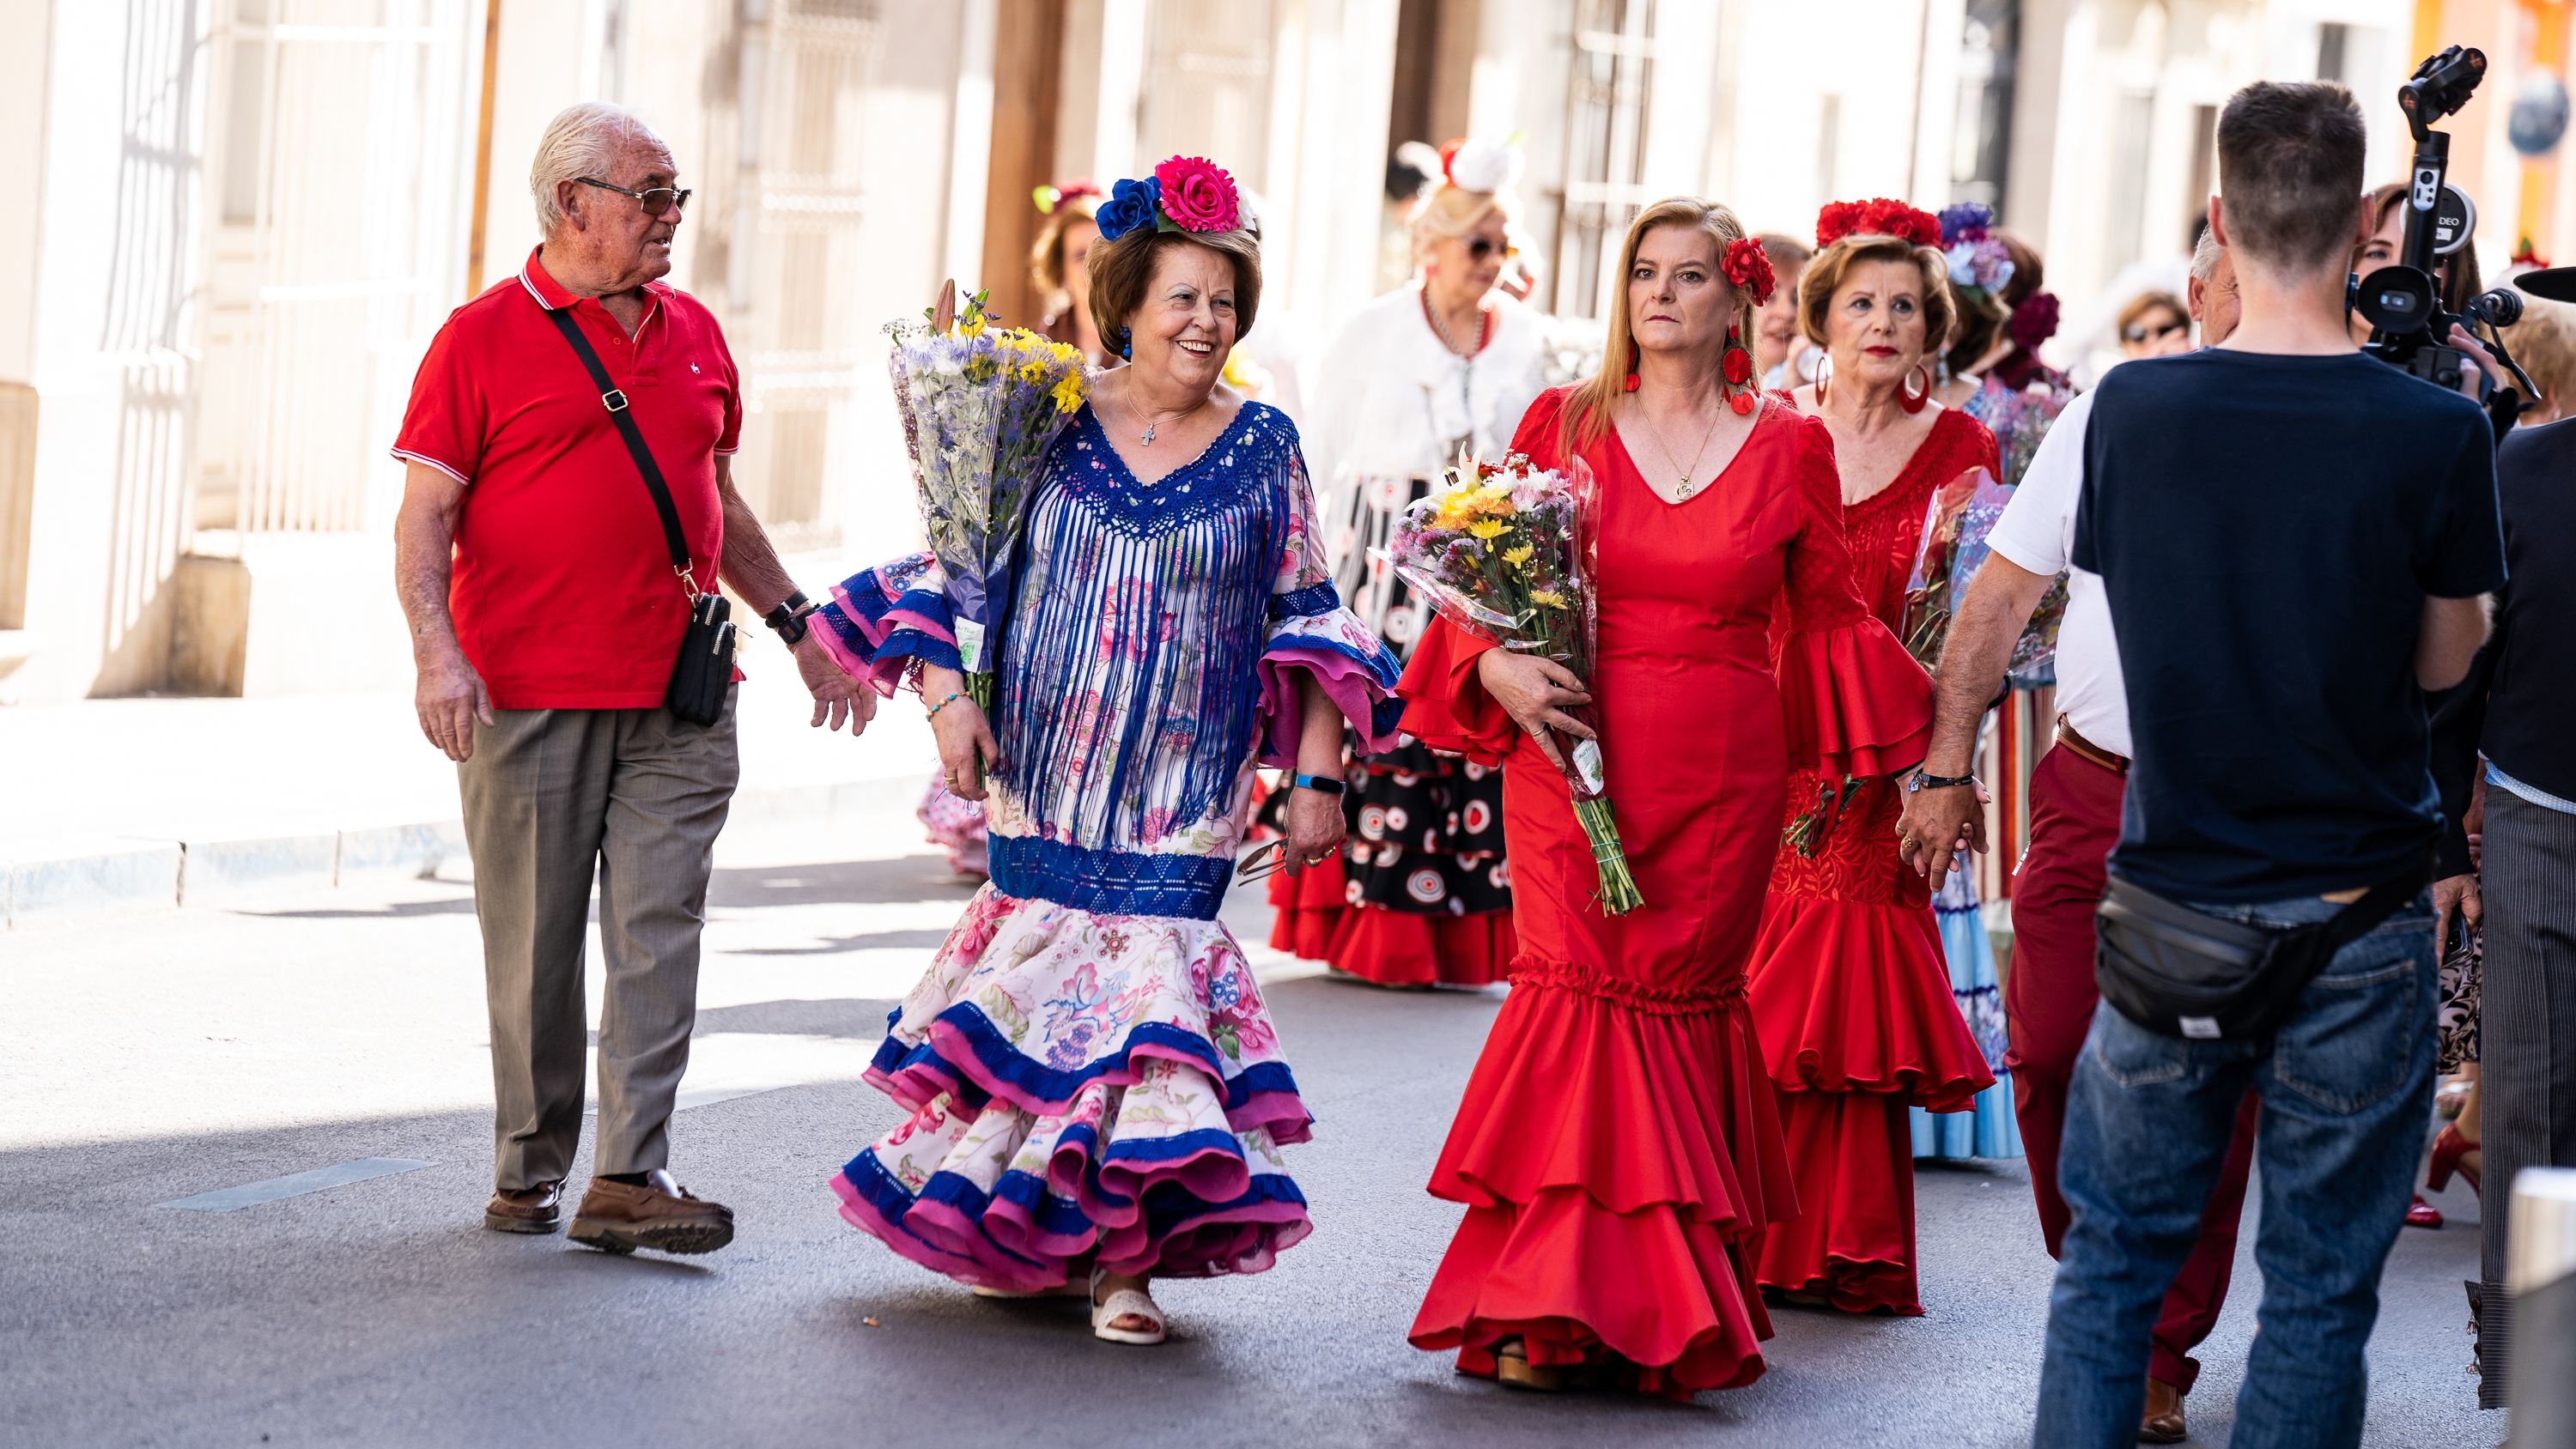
<point x="1878" y="216"/>
<point x="2034" y="321"/>
<point x="1749" y="268"/>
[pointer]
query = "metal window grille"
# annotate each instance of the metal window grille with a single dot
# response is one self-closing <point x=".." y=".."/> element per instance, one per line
<point x="1605" y="148"/>
<point x="792" y="214"/>
<point x="339" y="247"/>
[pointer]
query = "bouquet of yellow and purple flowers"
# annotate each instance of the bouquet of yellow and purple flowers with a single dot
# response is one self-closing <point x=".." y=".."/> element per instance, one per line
<point x="1505" y="551"/>
<point x="981" y="404"/>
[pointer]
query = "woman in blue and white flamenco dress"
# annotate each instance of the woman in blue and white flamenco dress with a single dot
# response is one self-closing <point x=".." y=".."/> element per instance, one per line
<point x="1095" y="1088"/>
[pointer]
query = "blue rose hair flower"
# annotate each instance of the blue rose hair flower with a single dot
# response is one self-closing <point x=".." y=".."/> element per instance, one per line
<point x="1966" y="221"/>
<point x="1131" y="204"/>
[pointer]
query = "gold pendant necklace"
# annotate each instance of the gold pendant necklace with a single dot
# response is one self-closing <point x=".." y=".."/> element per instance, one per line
<point x="1683" y="488"/>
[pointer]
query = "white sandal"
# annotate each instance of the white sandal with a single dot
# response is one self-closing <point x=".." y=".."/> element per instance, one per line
<point x="1121" y="1304"/>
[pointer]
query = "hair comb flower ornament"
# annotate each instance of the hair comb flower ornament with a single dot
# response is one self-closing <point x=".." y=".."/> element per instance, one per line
<point x="1185" y="194"/>
<point x="1878" y="216"/>
<point x="1048" y="198"/>
<point x="1480" y="165"/>
<point x="1977" y="258"/>
<point x="1749" y="268"/>
<point x="2034" y="321"/>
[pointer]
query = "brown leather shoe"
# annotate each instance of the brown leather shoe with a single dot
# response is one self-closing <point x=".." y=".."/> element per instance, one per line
<point x="537" y="1209"/>
<point x="662" y="1215"/>
<point x="2162" y="1423"/>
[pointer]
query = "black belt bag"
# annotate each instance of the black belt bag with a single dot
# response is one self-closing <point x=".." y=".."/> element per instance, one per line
<point x="704" y="670"/>
<point x="2182" y="972"/>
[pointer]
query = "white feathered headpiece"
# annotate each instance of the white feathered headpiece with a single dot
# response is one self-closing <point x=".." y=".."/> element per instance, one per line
<point x="1481" y="165"/>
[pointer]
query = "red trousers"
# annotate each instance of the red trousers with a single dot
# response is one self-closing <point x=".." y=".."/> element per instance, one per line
<point x="2048" y="1007"/>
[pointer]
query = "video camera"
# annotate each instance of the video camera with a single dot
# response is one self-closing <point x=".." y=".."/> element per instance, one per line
<point x="2404" y="305"/>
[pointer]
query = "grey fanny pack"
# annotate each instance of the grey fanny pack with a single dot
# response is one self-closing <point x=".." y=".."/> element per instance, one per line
<point x="2182" y="972"/>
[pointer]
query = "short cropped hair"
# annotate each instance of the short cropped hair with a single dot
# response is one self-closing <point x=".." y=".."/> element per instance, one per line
<point x="2289" y="170"/>
<point x="2205" y="253"/>
<point x="582" y="140"/>
<point x="1824" y="277"/>
<point x="1121" y="271"/>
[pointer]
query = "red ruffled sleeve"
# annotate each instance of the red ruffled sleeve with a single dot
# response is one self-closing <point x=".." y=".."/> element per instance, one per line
<point x="1445" y="704"/>
<point x="1854" y="702"/>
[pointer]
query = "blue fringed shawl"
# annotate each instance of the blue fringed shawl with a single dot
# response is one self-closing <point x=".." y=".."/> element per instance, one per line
<point x="1129" y="675"/>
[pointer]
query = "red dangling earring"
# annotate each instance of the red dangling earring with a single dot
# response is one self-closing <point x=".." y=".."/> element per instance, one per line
<point x="1632" y="367"/>
<point x="1913" y="402"/>
<point x="1736" y="366"/>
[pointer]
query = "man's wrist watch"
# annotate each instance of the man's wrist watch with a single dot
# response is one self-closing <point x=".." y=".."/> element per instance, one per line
<point x="1921" y="781"/>
<point x="789" y="618"/>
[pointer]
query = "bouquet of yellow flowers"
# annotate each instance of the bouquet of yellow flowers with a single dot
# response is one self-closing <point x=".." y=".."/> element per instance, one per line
<point x="981" y="405"/>
<point x="1505" y="551"/>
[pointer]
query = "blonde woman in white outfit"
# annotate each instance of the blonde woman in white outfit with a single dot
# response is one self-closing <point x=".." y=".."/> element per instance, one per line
<point x="1445" y="364"/>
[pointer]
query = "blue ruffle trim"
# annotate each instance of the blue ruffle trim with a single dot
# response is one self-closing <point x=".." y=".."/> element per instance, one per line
<point x="1168" y="1205"/>
<point x="866" y="590"/>
<point x="1312" y="599"/>
<point x="1109" y="882"/>
<point x="1037" y="1082"/>
<point x="1378" y="660"/>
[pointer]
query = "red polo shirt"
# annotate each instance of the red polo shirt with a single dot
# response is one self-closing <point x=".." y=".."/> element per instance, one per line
<point x="563" y="594"/>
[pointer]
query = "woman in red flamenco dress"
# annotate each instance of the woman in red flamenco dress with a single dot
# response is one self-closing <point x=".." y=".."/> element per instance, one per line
<point x="1850" y="991"/>
<point x="1618" y="1149"/>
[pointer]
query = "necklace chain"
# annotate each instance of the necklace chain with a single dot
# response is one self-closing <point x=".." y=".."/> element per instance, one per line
<point x="1466" y="360"/>
<point x="1152" y="426"/>
<point x="1684" y="488"/>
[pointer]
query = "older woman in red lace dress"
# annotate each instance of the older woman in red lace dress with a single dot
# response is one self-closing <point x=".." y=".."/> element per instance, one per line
<point x="1619" y="1148"/>
<point x="1850" y="991"/>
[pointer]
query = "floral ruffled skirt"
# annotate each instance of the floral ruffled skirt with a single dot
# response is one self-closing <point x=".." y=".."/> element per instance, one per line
<point x="1082" y="1083"/>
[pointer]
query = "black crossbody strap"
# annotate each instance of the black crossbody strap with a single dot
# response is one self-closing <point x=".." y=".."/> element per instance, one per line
<point x="614" y="399"/>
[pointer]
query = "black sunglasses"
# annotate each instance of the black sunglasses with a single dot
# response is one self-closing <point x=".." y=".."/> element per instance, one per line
<point x="2140" y="332"/>
<point x="657" y="201"/>
<point x="1479" y="248"/>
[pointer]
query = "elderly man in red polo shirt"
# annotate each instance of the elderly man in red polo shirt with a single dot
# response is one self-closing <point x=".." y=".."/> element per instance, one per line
<point x="546" y="618"/>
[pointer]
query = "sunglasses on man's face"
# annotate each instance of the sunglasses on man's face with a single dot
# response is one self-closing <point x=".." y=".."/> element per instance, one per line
<point x="656" y="201"/>
<point x="2141" y="332"/>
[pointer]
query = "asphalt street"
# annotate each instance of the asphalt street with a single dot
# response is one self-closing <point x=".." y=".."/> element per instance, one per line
<point x="152" y="1059"/>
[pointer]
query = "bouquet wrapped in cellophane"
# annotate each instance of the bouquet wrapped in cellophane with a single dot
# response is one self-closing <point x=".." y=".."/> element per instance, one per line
<point x="981" y="404"/>
<point x="1505" y="551"/>
<point x="1953" y="547"/>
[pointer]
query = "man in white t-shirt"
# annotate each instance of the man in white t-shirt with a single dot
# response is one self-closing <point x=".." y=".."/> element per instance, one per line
<point x="2075" y="796"/>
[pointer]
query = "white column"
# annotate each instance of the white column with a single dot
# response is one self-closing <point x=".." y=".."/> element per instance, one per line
<point x="1122" y="75"/>
<point x="970" y="143"/>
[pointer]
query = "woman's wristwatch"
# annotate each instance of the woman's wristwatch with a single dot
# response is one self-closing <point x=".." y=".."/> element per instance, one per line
<point x="1321" y="784"/>
<point x="789" y="618"/>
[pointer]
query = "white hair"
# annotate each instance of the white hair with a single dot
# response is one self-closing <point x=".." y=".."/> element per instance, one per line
<point x="2204" y="255"/>
<point x="582" y="140"/>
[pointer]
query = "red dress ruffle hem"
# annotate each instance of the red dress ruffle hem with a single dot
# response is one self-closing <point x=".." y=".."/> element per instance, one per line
<point x="1618" y="1149"/>
<point x="1848" y="982"/>
<point x="1391" y="948"/>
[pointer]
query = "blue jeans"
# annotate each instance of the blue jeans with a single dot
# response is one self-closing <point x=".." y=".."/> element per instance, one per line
<point x="2346" y="1084"/>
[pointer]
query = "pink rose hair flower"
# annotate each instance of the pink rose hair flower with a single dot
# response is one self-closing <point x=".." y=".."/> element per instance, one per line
<point x="1198" y="195"/>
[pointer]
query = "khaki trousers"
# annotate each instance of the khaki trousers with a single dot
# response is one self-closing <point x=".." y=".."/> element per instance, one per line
<point x="554" y="798"/>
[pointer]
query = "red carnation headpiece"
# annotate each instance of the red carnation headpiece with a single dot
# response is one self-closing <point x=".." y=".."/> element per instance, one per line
<point x="1749" y="268"/>
<point x="1878" y="216"/>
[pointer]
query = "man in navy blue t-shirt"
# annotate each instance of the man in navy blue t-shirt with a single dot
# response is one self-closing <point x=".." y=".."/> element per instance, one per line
<point x="2294" y="539"/>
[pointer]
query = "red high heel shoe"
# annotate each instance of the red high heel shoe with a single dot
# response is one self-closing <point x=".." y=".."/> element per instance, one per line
<point x="2422" y="1214"/>
<point x="2448" y="1149"/>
